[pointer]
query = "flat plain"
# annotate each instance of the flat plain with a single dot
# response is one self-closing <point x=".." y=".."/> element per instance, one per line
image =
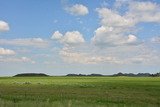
<point x="79" y="91"/>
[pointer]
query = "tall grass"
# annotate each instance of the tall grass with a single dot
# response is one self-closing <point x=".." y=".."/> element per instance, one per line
<point x="79" y="92"/>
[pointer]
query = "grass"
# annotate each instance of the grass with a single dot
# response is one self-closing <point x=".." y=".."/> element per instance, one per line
<point x="79" y="91"/>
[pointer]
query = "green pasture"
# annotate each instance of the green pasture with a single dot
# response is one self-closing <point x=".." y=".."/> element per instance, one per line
<point x="79" y="91"/>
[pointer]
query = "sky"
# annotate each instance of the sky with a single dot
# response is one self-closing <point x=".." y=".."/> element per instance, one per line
<point x="58" y="37"/>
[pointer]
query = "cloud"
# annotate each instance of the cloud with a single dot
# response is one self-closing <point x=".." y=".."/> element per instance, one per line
<point x="113" y="30"/>
<point x="15" y="59"/>
<point x="131" y="39"/>
<point x="140" y="11"/>
<point x="111" y="18"/>
<point x="71" y="56"/>
<point x="107" y="36"/>
<point x="119" y="3"/>
<point x="56" y="35"/>
<point x="143" y="12"/>
<point x="155" y="39"/>
<point x="77" y="10"/>
<point x="119" y="55"/>
<point x="73" y="37"/>
<point x="116" y="28"/>
<point x="116" y="35"/>
<point x="70" y="37"/>
<point x="6" y="52"/>
<point x="122" y="46"/>
<point x="34" y="42"/>
<point x="137" y="12"/>
<point x="147" y="59"/>
<point x="3" y="26"/>
<point x="26" y="59"/>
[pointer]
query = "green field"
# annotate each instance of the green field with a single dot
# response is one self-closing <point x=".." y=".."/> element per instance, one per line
<point x="79" y="92"/>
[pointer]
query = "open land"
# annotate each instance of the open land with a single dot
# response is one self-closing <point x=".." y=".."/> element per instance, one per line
<point x="79" y="91"/>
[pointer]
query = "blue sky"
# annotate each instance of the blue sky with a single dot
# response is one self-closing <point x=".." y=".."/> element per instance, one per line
<point x="58" y="37"/>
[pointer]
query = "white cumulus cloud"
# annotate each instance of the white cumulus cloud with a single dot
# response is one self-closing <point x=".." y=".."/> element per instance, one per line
<point x="70" y="37"/>
<point x="107" y="36"/>
<point x="113" y="19"/>
<point x="73" y="37"/>
<point x="56" y="35"/>
<point x="77" y="9"/>
<point x="3" y="26"/>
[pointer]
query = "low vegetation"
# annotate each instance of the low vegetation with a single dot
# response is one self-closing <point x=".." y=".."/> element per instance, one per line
<point x="81" y="91"/>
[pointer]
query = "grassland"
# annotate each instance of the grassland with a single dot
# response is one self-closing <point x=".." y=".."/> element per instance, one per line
<point x="79" y="92"/>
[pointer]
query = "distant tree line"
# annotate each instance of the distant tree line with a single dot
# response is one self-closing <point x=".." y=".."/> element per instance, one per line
<point x="31" y="75"/>
<point x="114" y="75"/>
<point x="121" y="74"/>
<point x="137" y="75"/>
